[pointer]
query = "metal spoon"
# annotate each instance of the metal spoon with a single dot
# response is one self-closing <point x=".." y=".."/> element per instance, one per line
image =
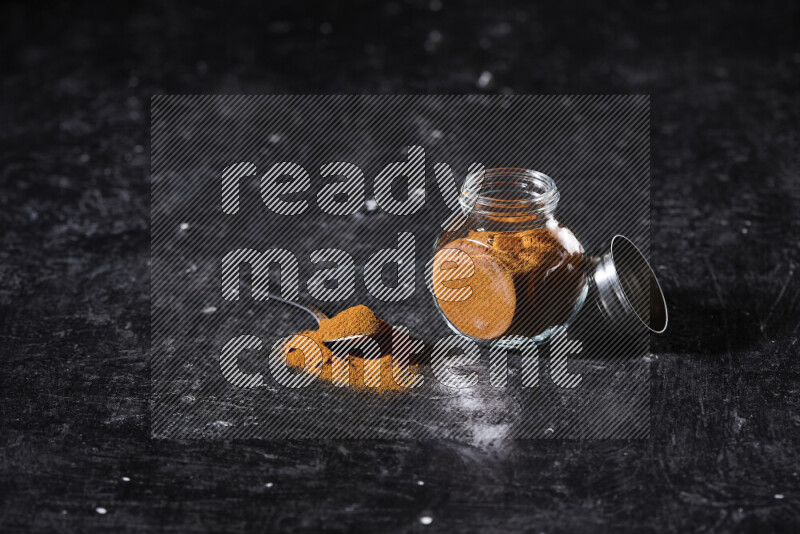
<point x="318" y="315"/>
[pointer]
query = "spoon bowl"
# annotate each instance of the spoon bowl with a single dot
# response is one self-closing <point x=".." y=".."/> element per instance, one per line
<point x="318" y="316"/>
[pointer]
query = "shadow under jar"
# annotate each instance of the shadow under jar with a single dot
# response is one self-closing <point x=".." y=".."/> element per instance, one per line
<point x="504" y="268"/>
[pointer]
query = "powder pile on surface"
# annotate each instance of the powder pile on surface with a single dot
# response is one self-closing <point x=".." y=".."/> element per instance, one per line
<point x="391" y="371"/>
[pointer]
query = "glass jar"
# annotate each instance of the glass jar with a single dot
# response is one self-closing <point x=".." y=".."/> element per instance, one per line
<point x="503" y="267"/>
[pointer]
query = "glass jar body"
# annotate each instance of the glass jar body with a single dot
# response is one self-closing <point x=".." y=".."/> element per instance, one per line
<point x="504" y="270"/>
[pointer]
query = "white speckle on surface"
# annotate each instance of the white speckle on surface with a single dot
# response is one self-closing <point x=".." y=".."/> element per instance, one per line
<point x="779" y="495"/>
<point x="100" y="510"/>
<point x="420" y="482"/>
<point x="433" y="40"/>
<point x="370" y="204"/>
<point x="209" y="309"/>
<point x="275" y="138"/>
<point x="183" y="226"/>
<point x="548" y="431"/>
<point x="63" y="512"/>
<point x="325" y="28"/>
<point x="485" y="79"/>
<point x="126" y="479"/>
<point x="220" y="424"/>
<point x="426" y="520"/>
<point x="268" y="485"/>
<point x="188" y="398"/>
<point x="738" y="422"/>
<point x="744" y="231"/>
<point x="192" y="268"/>
<point x="436" y="134"/>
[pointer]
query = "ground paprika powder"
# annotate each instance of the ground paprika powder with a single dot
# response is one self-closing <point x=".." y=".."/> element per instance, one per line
<point x="391" y="371"/>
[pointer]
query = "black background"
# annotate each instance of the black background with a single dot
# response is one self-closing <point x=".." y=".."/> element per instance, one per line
<point x="74" y="298"/>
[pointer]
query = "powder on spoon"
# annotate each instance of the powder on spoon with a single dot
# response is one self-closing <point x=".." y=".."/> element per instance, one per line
<point x="356" y="321"/>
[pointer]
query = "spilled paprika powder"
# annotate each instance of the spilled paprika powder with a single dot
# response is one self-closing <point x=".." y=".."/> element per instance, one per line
<point x="390" y="371"/>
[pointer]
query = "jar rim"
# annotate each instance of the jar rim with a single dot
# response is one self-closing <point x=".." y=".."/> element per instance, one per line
<point x="505" y="190"/>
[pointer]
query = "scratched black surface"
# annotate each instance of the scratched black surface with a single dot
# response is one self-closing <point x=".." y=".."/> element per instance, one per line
<point x="723" y="455"/>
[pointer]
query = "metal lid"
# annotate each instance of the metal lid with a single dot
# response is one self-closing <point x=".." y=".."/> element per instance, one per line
<point x="626" y="290"/>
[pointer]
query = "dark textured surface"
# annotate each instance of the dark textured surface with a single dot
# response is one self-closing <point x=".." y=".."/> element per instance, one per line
<point x="604" y="193"/>
<point x="74" y="337"/>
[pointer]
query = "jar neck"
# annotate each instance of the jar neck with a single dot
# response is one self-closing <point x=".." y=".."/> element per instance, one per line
<point x="510" y="195"/>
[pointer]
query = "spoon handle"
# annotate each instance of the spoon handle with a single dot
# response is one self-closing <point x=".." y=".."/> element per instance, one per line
<point x="308" y="308"/>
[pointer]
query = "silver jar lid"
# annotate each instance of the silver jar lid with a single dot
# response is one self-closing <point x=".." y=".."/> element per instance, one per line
<point x="626" y="290"/>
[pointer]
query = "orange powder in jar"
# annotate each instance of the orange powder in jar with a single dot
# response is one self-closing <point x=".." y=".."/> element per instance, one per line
<point x="388" y="372"/>
<point x="521" y="284"/>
